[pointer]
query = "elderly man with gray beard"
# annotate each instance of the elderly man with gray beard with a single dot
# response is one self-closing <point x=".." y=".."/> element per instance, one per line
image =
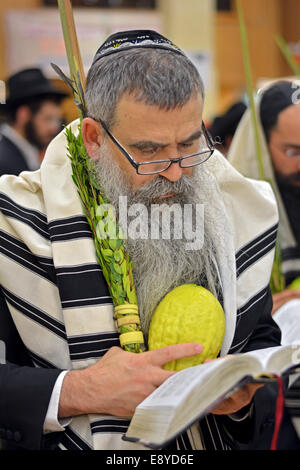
<point x="66" y="383"/>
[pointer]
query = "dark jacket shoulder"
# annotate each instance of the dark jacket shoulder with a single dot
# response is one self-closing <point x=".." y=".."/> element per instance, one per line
<point x="25" y="390"/>
<point x="12" y="161"/>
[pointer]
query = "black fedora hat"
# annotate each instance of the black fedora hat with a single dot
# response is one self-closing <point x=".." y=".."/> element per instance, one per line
<point x="27" y="84"/>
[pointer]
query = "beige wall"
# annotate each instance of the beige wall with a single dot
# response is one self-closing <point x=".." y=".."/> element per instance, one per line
<point x="10" y="5"/>
<point x="291" y="19"/>
<point x="194" y="25"/>
<point x="190" y="24"/>
<point x="264" y="21"/>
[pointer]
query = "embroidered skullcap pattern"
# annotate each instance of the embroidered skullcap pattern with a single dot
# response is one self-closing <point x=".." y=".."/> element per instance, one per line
<point x="125" y="40"/>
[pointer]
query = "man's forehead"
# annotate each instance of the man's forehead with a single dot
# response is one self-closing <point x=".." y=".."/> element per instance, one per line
<point x="289" y="119"/>
<point x="131" y="110"/>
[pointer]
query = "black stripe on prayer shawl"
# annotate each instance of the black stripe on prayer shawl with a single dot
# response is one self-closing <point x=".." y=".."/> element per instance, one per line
<point x="70" y="228"/>
<point x="34" y="219"/>
<point x="17" y="251"/>
<point x="96" y="345"/>
<point x="290" y="253"/>
<point x="71" y="441"/>
<point x="85" y="279"/>
<point x="87" y="302"/>
<point x="40" y="361"/>
<point x="255" y="247"/>
<point x="183" y="442"/>
<point x="247" y="316"/>
<point x="35" y="314"/>
<point x="78" y="269"/>
<point x="112" y="425"/>
<point x="247" y="307"/>
<point x="244" y="254"/>
<point x="256" y="240"/>
<point x="235" y="348"/>
<point x="211" y="436"/>
<point x="255" y="252"/>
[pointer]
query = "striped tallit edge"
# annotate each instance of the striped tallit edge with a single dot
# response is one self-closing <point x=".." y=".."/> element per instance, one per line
<point x="37" y="315"/>
<point x="92" y="346"/>
<point x="246" y="310"/>
<point x="31" y="217"/>
<point x="256" y="249"/>
<point x="69" y="228"/>
<point x="70" y="440"/>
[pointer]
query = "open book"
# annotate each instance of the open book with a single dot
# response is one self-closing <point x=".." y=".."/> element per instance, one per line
<point x="288" y="319"/>
<point x="192" y="393"/>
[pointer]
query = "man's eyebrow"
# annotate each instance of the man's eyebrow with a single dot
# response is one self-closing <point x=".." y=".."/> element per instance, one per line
<point x="144" y="144"/>
<point x="192" y="137"/>
<point x="290" y="144"/>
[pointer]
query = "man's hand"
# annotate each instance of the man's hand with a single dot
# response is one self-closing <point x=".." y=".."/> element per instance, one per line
<point x="282" y="297"/>
<point x="237" y="401"/>
<point x="119" y="381"/>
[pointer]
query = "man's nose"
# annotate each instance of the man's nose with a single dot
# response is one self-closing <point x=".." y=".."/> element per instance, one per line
<point x="173" y="173"/>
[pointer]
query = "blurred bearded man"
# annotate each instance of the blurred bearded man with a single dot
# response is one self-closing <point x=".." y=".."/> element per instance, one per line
<point x="278" y="110"/>
<point x="278" y="113"/>
<point x="34" y="118"/>
<point x="145" y="134"/>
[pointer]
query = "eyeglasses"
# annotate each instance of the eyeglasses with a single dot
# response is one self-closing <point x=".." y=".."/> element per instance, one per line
<point x="204" y="152"/>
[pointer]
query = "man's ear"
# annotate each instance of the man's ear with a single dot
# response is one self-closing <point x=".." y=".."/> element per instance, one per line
<point x="23" y="115"/>
<point x="92" y="136"/>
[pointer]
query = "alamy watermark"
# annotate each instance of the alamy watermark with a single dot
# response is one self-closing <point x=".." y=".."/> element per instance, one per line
<point x="296" y="94"/>
<point x="160" y="221"/>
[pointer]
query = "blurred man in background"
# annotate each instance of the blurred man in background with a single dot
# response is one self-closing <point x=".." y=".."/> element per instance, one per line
<point x="279" y="126"/>
<point x="223" y="127"/>
<point x="34" y="117"/>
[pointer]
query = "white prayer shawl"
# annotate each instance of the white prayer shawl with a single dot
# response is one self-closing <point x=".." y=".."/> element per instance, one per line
<point x="54" y="287"/>
<point x="242" y="155"/>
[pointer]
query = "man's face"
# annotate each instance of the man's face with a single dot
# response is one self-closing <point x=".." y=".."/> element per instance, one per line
<point x="44" y="125"/>
<point x="150" y="133"/>
<point x="284" y="146"/>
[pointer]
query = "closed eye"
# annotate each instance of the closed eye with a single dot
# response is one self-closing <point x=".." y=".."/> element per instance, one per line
<point x="187" y="144"/>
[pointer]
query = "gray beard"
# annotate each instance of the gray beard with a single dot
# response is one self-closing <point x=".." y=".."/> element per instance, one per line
<point x="160" y="265"/>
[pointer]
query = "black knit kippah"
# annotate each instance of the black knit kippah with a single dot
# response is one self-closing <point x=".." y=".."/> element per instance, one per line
<point x="125" y="40"/>
<point x="276" y="99"/>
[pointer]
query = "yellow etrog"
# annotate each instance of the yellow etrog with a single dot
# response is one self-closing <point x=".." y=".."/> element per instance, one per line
<point x="189" y="313"/>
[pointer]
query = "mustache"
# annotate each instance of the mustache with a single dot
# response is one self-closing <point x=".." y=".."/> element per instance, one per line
<point x="150" y="192"/>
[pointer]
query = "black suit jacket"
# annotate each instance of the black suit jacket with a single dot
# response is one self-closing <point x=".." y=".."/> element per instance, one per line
<point x="12" y="160"/>
<point x="25" y="391"/>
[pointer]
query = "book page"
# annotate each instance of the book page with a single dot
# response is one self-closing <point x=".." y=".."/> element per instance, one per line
<point x="176" y="388"/>
<point x="277" y="359"/>
<point x="288" y="319"/>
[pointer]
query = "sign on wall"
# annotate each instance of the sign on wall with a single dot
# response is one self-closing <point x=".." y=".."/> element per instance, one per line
<point x="34" y="38"/>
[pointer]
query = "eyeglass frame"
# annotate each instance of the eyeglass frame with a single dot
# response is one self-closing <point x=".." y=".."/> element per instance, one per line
<point x="136" y="165"/>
